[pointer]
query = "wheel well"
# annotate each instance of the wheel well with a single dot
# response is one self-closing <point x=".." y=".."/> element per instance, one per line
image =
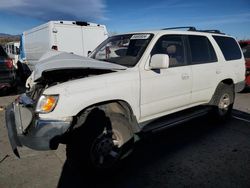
<point x="227" y="81"/>
<point x="111" y="107"/>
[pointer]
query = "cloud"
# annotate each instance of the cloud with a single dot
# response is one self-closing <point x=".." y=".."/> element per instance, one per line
<point x="227" y="19"/>
<point x="176" y="4"/>
<point x="56" y="9"/>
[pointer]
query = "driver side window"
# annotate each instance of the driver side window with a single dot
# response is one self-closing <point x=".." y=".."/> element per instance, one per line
<point x="173" y="46"/>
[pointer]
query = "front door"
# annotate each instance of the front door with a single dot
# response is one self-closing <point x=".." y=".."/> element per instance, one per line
<point x="166" y="90"/>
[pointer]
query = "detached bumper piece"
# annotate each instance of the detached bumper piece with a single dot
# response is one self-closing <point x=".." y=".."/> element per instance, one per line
<point x="12" y="132"/>
<point x="26" y="129"/>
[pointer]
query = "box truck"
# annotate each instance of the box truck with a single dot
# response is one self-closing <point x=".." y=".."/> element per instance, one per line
<point x="70" y="36"/>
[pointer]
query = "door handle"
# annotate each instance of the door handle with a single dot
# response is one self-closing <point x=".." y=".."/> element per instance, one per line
<point x="185" y="76"/>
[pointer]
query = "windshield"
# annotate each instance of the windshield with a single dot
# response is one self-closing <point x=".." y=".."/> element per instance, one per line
<point x="124" y="50"/>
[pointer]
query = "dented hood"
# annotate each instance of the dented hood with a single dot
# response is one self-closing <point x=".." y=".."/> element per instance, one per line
<point x="55" y="60"/>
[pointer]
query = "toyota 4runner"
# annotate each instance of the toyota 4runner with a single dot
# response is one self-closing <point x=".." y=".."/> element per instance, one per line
<point x="132" y="84"/>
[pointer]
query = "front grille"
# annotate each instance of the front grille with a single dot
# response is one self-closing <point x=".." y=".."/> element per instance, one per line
<point x="36" y="92"/>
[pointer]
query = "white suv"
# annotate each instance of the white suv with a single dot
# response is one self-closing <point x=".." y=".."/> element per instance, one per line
<point x="99" y="106"/>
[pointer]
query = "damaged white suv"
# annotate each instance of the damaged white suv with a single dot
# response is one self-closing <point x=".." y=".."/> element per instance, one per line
<point x="131" y="84"/>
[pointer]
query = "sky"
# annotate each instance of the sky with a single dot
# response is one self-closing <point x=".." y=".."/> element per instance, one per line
<point x="230" y="16"/>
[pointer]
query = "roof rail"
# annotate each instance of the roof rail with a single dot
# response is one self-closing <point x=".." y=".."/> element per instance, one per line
<point x="211" y="31"/>
<point x="190" y="28"/>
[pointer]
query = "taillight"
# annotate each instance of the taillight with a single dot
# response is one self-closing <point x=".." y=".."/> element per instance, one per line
<point x="9" y="63"/>
<point x="54" y="47"/>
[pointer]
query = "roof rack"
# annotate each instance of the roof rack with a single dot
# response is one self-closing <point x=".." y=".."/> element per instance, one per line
<point x="211" y="31"/>
<point x="191" y="28"/>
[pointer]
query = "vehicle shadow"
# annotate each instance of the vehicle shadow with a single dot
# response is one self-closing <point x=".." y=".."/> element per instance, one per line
<point x="153" y="155"/>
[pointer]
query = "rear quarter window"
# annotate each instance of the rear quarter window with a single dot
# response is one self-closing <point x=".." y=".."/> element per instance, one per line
<point x="229" y="47"/>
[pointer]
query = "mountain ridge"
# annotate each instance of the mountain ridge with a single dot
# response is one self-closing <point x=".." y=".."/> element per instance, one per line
<point x="5" y="38"/>
<point x="7" y="35"/>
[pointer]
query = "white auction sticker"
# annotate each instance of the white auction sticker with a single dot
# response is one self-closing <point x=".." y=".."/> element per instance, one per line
<point x="140" y="36"/>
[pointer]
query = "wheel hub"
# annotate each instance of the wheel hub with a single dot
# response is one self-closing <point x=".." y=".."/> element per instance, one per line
<point x="104" y="146"/>
<point x="224" y="102"/>
<point x="105" y="151"/>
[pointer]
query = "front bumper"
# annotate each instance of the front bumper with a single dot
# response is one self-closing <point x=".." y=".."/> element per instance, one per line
<point x="25" y="129"/>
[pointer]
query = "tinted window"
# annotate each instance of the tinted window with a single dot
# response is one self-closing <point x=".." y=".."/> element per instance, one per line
<point x="173" y="46"/>
<point x="229" y="47"/>
<point x="201" y="50"/>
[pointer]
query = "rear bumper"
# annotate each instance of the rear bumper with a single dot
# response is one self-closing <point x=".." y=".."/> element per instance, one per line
<point x="5" y="85"/>
<point x="24" y="129"/>
<point x="8" y="79"/>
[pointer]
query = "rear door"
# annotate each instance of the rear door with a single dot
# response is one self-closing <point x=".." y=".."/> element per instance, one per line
<point x="204" y="65"/>
<point x="92" y="37"/>
<point x="69" y="38"/>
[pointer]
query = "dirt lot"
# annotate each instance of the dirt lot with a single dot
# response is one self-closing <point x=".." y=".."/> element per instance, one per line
<point x="34" y="169"/>
<point x="199" y="153"/>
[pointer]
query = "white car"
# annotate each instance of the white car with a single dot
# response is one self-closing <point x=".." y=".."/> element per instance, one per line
<point x="100" y="107"/>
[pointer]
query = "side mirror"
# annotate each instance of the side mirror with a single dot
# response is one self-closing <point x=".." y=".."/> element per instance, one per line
<point x="159" y="61"/>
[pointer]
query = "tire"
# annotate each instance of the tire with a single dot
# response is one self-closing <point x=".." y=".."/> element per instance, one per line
<point x="100" y="142"/>
<point x="223" y="101"/>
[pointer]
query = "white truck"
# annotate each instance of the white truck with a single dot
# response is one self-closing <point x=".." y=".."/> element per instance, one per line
<point x="75" y="37"/>
<point x="132" y="84"/>
<point x="12" y="49"/>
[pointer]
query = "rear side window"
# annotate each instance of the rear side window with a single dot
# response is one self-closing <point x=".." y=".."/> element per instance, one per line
<point x="201" y="50"/>
<point x="229" y="47"/>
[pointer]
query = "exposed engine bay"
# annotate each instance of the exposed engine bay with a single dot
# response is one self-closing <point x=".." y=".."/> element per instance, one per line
<point x="54" y="77"/>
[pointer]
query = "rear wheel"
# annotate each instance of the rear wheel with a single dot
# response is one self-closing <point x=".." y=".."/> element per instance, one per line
<point x="100" y="142"/>
<point x="223" y="101"/>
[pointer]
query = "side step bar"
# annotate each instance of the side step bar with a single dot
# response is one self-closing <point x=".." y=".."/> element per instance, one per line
<point x="175" y="119"/>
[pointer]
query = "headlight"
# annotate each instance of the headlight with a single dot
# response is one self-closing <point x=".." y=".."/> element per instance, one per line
<point x="46" y="103"/>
